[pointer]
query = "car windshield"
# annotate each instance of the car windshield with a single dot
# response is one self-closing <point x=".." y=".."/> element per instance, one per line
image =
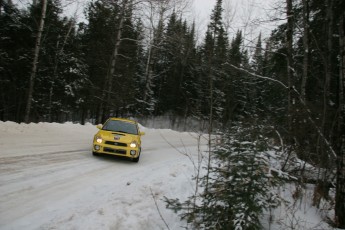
<point x="121" y="126"/>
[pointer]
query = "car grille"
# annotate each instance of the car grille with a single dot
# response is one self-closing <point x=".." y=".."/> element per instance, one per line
<point x="118" y="151"/>
<point x="115" y="143"/>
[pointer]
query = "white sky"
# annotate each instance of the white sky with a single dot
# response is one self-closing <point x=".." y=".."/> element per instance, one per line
<point x="250" y="16"/>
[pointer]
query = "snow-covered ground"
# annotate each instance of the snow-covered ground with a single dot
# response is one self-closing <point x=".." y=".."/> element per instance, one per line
<point x="50" y="180"/>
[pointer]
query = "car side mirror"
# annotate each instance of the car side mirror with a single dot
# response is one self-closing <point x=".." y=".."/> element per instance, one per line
<point x="142" y="133"/>
<point x="99" y="126"/>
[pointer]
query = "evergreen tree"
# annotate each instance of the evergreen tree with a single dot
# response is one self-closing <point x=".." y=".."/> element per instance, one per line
<point x="69" y="80"/>
<point x="190" y="87"/>
<point x="214" y="51"/>
<point x="257" y="85"/>
<point x="99" y="40"/>
<point x="100" y="37"/>
<point x="61" y="74"/>
<point x="178" y="46"/>
<point x="257" y="63"/>
<point x="126" y="68"/>
<point x="236" y="96"/>
<point x="316" y="107"/>
<point x="241" y="185"/>
<point x="48" y="64"/>
<point x="15" y="49"/>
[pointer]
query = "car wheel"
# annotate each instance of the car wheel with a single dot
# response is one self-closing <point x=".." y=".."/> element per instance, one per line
<point x="95" y="154"/>
<point x="137" y="158"/>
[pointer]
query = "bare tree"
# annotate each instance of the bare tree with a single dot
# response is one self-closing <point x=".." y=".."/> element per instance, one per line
<point x="60" y="50"/>
<point x="229" y="15"/>
<point x="35" y="62"/>
<point x="155" y="34"/>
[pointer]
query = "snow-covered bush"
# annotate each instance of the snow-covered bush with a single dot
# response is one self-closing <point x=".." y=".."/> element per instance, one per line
<point x="240" y="184"/>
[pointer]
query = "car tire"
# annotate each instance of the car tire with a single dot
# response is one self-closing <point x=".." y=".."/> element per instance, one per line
<point x="95" y="154"/>
<point x="136" y="160"/>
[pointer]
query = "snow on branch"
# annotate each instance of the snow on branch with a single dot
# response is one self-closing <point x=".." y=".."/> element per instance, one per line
<point x="293" y="88"/>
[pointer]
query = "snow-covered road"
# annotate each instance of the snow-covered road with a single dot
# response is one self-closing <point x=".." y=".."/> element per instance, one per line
<point x="50" y="180"/>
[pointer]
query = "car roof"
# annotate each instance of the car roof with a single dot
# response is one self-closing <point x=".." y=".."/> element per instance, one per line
<point x="122" y="119"/>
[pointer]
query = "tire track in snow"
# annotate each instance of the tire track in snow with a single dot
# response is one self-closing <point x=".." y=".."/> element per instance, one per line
<point x="59" y="182"/>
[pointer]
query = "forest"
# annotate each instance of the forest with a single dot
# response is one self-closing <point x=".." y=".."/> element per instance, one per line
<point x="119" y="63"/>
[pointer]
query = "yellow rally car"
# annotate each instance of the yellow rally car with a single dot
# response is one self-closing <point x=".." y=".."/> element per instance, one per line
<point x="119" y="137"/>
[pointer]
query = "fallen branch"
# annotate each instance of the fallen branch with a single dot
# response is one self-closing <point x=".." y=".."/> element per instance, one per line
<point x="159" y="212"/>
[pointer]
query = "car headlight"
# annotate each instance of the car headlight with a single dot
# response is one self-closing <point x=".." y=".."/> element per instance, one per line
<point x="99" y="140"/>
<point x="133" y="144"/>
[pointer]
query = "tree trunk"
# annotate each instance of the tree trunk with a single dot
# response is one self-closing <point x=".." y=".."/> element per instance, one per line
<point x="114" y="58"/>
<point x="289" y="60"/>
<point x="148" y="74"/>
<point x="210" y="127"/>
<point x="305" y="47"/>
<point x="340" y="189"/>
<point x="35" y="62"/>
<point x="328" y="64"/>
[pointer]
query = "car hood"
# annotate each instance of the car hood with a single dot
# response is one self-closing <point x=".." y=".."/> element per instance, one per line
<point x="116" y="136"/>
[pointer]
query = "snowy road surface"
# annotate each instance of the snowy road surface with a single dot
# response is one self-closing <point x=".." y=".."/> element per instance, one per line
<point x="50" y="180"/>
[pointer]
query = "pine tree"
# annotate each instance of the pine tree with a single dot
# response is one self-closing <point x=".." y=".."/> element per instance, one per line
<point x="257" y="63"/>
<point x="214" y="51"/>
<point x="241" y="184"/>
<point x="15" y="57"/>
<point x="236" y="95"/>
<point x="255" y="96"/>
<point x="61" y="73"/>
<point x="178" y="46"/>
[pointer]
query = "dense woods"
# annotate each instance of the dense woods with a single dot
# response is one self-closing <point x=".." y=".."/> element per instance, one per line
<point x="56" y="69"/>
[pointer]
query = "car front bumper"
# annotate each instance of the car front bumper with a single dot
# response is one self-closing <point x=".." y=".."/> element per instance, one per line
<point x="115" y="150"/>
